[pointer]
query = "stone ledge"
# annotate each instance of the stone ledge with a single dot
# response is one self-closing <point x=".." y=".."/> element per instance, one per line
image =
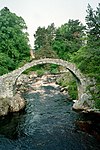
<point x="87" y="108"/>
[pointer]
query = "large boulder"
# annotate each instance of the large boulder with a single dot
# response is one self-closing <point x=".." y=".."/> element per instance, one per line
<point x="13" y="104"/>
<point x="17" y="103"/>
<point x="85" y="104"/>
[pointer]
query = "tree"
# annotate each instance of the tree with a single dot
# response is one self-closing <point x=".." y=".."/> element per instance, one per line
<point x="88" y="57"/>
<point x="69" y="38"/>
<point x="46" y="52"/>
<point x="93" y="26"/>
<point x="6" y="63"/>
<point x="93" y="43"/>
<point x="43" y="36"/>
<point x="40" y="38"/>
<point x="51" y="33"/>
<point x="13" y="38"/>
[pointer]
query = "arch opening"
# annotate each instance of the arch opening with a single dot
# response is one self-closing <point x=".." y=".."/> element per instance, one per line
<point x="9" y="80"/>
<point x="63" y="63"/>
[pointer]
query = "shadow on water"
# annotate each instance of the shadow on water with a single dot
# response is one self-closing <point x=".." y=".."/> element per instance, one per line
<point x="9" y="124"/>
<point x="48" y="123"/>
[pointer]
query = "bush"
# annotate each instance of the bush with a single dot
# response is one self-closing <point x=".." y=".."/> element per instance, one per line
<point x="72" y="90"/>
<point x="97" y="103"/>
<point x="67" y="80"/>
<point x="40" y="72"/>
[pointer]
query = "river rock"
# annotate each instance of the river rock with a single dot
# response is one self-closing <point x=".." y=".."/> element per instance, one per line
<point x="84" y="103"/>
<point x="13" y="104"/>
<point x="17" y="103"/>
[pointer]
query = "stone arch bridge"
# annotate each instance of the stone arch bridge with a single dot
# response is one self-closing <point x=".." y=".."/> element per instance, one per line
<point x="8" y="81"/>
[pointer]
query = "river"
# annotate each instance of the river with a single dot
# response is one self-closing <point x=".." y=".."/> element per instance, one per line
<point x="47" y="123"/>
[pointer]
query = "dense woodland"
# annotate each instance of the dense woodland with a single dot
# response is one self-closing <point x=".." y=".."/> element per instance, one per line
<point x="72" y="41"/>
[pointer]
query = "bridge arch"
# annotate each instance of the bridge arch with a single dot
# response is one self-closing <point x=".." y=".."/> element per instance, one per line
<point x="68" y="65"/>
<point x="8" y="81"/>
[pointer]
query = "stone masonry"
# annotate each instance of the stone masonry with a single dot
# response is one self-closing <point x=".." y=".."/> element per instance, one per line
<point x="8" y="81"/>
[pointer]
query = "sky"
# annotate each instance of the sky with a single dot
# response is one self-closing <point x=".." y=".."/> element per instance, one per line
<point x="44" y="12"/>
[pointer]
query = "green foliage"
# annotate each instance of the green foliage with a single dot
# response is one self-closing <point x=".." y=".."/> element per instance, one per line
<point x="54" y="69"/>
<point x="46" y="52"/>
<point x="43" y="39"/>
<point x="43" y="36"/>
<point x="72" y="90"/>
<point x="33" y="69"/>
<point x="13" y="40"/>
<point x="87" y="58"/>
<point x="68" y="38"/>
<point x="93" y="26"/>
<point x="97" y="103"/>
<point x="40" y="72"/>
<point x="40" y="38"/>
<point x="6" y="63"/>
<point x="67" y="80"/>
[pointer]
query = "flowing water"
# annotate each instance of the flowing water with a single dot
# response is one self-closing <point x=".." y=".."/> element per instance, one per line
<point x="47" y="123"/>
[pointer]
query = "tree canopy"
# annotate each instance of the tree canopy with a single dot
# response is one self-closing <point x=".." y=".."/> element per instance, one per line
<point x="63" y="40"/>
<point x="14" y="47"/>
<point x="69" y="38"/>
<point x="88" y="57"/>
